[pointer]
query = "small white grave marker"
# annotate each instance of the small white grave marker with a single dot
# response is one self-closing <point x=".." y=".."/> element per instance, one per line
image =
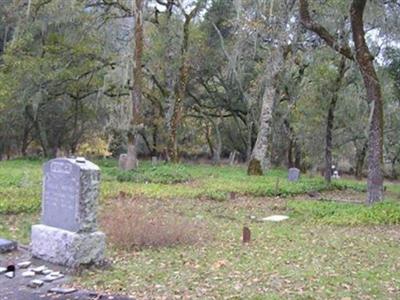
<point x="275" y="218"/>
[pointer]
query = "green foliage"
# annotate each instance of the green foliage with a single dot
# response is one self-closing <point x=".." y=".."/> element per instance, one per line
<point x="165" y="174"/>
<point x="328" y="212"/>
<point x="20" y="187"/>
<point x="20" y="183"/>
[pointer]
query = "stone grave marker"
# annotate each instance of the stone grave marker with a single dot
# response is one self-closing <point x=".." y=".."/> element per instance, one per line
<point x="122" y="161"/>
<point x="68" y="234"/>
<point x="294" y="174"/>
<point x="246" y="235"/>
<point x="7" y="246"/>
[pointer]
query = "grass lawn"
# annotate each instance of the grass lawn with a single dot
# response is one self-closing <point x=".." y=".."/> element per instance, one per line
<point x="327" y="249"/>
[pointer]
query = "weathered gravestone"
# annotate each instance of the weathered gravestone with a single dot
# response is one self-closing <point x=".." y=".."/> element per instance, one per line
<point x="294" y="174"/>
<point x="68" y="234"/>
<point x="122" y="161"/>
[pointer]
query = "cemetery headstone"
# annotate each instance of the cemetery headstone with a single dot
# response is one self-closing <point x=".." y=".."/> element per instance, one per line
<point x="68" y="234"/>
<point x="334" y="172"/>
<point x="122" y="161"/>
<point x="154" y="161"/>
<point x="294" y="174"/>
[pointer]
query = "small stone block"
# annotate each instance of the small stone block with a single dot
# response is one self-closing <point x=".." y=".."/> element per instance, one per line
<point x="28" y="274"/>
<point x="50" y="278"/>
<point x="46" y="272"/>
<point x="55" y="273"/>
<point x="7" y="246"/>
<point x="39" y="270"/>
<point x="24" y="264"/>
<point x="10" y="275"/>
<point x="275" y="218"/>
<point x="35" y="283"/>
<point x="63" y="291"/>
<point x="3" y="270"/>
<point x="80" y="159"/>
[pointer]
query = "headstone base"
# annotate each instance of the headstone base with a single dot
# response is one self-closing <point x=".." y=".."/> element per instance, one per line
<point x="7" y="246"/>
<point x="67" y="248"/>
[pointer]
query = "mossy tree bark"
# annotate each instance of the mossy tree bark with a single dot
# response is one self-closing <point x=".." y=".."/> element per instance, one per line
<point x="137" y="74"/>
<point x="372" y="85"/>
<point x="330" y="119"/>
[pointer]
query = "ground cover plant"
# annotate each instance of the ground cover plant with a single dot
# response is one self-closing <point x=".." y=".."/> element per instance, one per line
<point x="333" y="246"/>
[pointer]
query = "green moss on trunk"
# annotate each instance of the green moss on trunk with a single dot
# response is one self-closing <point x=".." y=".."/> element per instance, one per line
<point x="254" y="168"/>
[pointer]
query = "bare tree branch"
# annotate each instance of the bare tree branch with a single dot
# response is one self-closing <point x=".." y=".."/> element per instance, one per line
<point x="310" y="24"/>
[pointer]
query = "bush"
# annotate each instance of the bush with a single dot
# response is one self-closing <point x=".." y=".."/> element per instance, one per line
<point x="166" y="174"/>
<point x="135" y="224"/>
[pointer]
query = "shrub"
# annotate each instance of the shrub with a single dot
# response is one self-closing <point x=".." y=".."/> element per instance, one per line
<point x="135" y="224"/>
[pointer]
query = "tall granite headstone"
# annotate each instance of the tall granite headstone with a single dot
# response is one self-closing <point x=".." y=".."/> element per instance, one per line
<point x="294" y="174"/>
<point x="68" y="234"/>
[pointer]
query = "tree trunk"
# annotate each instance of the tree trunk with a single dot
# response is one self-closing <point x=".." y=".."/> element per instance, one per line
<point x="249" y="144"/>
<point x="154" y="150"/>
<point x="209" y="141"/>
<point x="275" y="64"/>
<point x="297" y="155"/>
<point x="170" y="82"/>
<point x="218" y="150"/>
<point x="290" y="153"/>
<point x="360" y="158"/>
<point x="371" y="82"/>
<point x="131" y="159"/>
<point x="394" y="172"/>
<point x="330" y="120"/>
<point x="180" y="90"/>
<point x="291" y="143"/>
<point x="25" y="138"/>
<point x="180" y="94"/>
<point x="374" y="95"/>
<point x="137" y="119"/>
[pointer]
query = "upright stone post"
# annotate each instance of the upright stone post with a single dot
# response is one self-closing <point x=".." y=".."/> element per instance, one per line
<point x="68" y="234"/>
<point x="294" y="174"/>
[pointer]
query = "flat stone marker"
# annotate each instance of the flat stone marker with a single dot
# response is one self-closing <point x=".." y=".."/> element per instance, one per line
<point x="24" y="264"/>
<point x="63" y="291"/>
<point x="275" y="218"/>
<point x="294" y="174"/>
<point x="7" y="246"/>
<point x="68" y="234"/>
